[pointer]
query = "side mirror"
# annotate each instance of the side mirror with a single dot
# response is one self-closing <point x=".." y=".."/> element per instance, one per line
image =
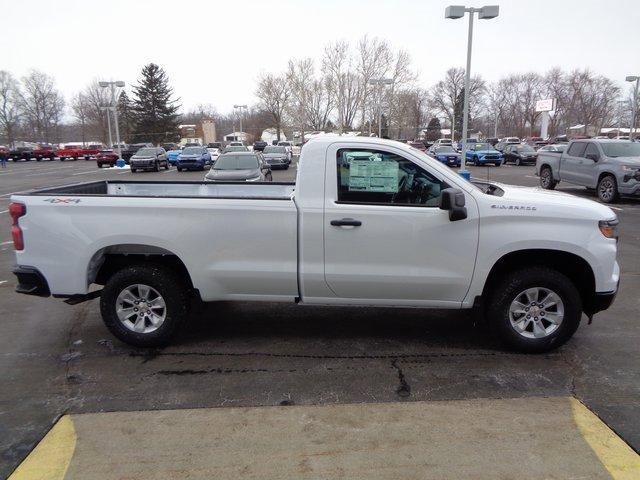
<point x="592" y="156"/>
<point x="452" y="199"/>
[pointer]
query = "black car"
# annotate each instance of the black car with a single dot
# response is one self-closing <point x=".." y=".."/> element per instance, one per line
<point x="259" y="145"/>
<point x="217" y="145"/>
<point x="519" y="154"/>
<point x="21" y="153"/>
<point x="492" y="141"/>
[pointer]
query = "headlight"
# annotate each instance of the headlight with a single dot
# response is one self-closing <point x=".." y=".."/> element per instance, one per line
<point x="609" y="228"/>
<point x="629" y="169"/>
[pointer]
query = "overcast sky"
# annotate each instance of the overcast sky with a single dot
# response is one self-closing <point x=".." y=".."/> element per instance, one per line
<point x="213" y="51"/>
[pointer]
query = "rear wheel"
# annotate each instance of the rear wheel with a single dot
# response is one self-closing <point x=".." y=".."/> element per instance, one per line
<point x="156" y="167"/>
<point x="535" y="309"/>
<point x="144" y="305"/>
<point x="608" y="189"/>
<point x="546" y="179"/>
<point x="133" y="170"/>
<point x="179" y="169"/>
<point x="518" y="162"/>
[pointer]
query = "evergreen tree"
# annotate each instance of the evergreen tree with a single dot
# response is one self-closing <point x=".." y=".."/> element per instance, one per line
<point x="459" y="109"/>
<point x="433" y="129"/>
<point x="154" y="109"/>
<point x="126" y="118"/>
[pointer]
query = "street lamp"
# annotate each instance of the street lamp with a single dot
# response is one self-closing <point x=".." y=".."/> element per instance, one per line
<point x="240" y="107"/>
<point x="484" y="13"/>
<point x="633" y="78"/>
<point x="113" y="105"/>
<point x="380" y="82"/>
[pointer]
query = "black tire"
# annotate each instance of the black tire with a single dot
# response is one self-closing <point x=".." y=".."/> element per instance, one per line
<point x="608" y="189"/>
<point x="100" y="166"/>
<point x="518" y="162"/>
<point x="166" y="283"/>
<point x="179" y="169"/>
<point x="546" y="178"/>
<point x="498" y="164"/>
<point x="133" y="170"/>
<point x="166" y="166"/>
<point x="156" y="167"/>
<point x="506" y="290"/>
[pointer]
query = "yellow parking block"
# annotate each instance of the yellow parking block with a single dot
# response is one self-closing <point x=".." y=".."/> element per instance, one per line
<point x="524" y="438"/>
<point x="51" y="457"/>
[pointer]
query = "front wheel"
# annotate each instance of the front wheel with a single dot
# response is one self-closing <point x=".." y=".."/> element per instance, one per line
<point x="535" y="309"/>
<point x="144" y="305"/>
<point x="608" y="189"/>
<point x="518" y="162"/>
<point x="156" y="167"/>
<point x="546" y="179"/>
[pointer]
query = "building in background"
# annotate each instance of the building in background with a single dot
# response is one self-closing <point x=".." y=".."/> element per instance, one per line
<point x="239" y="137"/>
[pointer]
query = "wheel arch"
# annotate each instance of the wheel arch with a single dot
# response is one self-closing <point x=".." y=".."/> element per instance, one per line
<point x="108" y="260"/>
<point x="576" y="268"/>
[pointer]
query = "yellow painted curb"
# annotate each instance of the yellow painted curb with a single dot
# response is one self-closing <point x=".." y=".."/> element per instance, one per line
<point x="51" y="457"/>
<point x="618" y="458"/>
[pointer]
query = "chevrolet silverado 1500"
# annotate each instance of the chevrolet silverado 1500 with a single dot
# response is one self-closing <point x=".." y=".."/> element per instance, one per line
<point x="368" y="222"/>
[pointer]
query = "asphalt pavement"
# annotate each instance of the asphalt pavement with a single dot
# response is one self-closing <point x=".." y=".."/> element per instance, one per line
<point x="57" y="359"/>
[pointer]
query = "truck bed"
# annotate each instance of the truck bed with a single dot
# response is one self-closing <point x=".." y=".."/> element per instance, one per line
<point x="131" y="188"/>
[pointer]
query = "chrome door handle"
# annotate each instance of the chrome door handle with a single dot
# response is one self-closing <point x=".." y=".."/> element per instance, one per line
<point x="346" y="222"/>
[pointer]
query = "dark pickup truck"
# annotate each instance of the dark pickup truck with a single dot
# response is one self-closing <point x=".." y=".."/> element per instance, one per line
<point x="21" y="153"/>
<point x="130" y="150"/>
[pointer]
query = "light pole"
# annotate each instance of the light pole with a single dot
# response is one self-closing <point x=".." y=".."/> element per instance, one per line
<point x="634" y="106"/>
<point x="484" y="13"/>
<point x="380" y="82"/>
<point x="115" y="95"/>
<point x="241" y="108"/>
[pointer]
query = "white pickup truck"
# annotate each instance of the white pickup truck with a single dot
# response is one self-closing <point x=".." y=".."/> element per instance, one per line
<point x="368" y="222"/>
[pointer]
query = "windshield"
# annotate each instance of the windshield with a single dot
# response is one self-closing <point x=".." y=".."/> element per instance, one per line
<point x="621" y="149"/>
<point x="146" y="152"/>
<point x="525" y="149"/>
<point x="192" y="151"/>
<point x="482" y="146"/>
<point x="445" y="150"/>
<point x="236" y="162"/>
<point x="274" y="149"/>
<point x="286" y="144"/>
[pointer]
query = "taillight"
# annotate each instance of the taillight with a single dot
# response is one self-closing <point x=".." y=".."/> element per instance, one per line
<point x="17" y="210"/>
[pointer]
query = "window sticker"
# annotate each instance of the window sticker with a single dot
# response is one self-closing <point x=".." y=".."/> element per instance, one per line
<point x="373" y="174"/>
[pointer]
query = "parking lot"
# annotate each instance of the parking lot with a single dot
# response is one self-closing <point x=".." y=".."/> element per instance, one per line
<point x="59" y="359"/>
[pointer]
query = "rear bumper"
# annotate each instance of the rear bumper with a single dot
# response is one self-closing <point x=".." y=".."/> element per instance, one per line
<point x="31" y="281"/>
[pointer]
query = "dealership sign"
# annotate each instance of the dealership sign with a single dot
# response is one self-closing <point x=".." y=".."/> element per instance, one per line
<point x="545" y="105"/>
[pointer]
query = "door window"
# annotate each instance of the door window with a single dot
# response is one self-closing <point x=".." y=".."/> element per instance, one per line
<point x="577" y="149"/>
<point x="592" y="149"/>
<point x="377" y="177"/>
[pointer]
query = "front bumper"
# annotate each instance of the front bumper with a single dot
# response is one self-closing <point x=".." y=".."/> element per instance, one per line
<point x="190" y="165"/>
<point x="31" y="281"/>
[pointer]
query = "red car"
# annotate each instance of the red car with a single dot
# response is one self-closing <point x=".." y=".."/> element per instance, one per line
<point x="74" y="153"/>
<point x="43" y="152"/>
<point x="106" y="157"/>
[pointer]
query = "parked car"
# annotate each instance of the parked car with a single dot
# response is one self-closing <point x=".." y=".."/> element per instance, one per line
<point x="217" y="145"/>
<point x="536" y="142"/>
<point x="131" y="150"/>
<point x="235" y="148"/>
<point x="236" y="144"/>
<point x="21" y="153"/>
<point x="170" y="146"/>
<point x="193" y="158"/>
<point x="76" y="153"/>
<point x="506" y="141"/>
<point x="214" y="152"/>
<point x="44" y="152"/>
<point x="442" y="141"/>
<point x="239" y="167"/>
<point x="446" y="154"/>
<point x="149" y="158"/>
<point x="259" y="145"/>
<point x="610" y="167"/>
<point x="531" y="262"/>
<point x="554" y="147"/>
<point x="276" y="156"/>
<point x="419" y="145"/>
<point x="172" y="155"/>
<point x="106" y="157"/>
<point x="482" y="154"/>
<point x="492" y="140"/>
<point x="519" y="154"/>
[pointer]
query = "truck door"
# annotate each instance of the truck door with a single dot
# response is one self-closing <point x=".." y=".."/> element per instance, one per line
<point x="571" y="163"/>
<point x="588" y="169"/>
<point x="385" y="239"/>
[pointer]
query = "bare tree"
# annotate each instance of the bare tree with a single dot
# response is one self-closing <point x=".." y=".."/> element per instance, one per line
<point x="320" y="106"/>
<point x="446" y="94"/>
<point x="300" y="76"/>
<point x="374" y="60"/>
<point x="592" y="100"/>
<point x="274" y="95"/>
<point x="41" y="103"/>
<point x="9" y="105"/>
<point x="342" y="82"/>
<point x="80" y="109"/>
